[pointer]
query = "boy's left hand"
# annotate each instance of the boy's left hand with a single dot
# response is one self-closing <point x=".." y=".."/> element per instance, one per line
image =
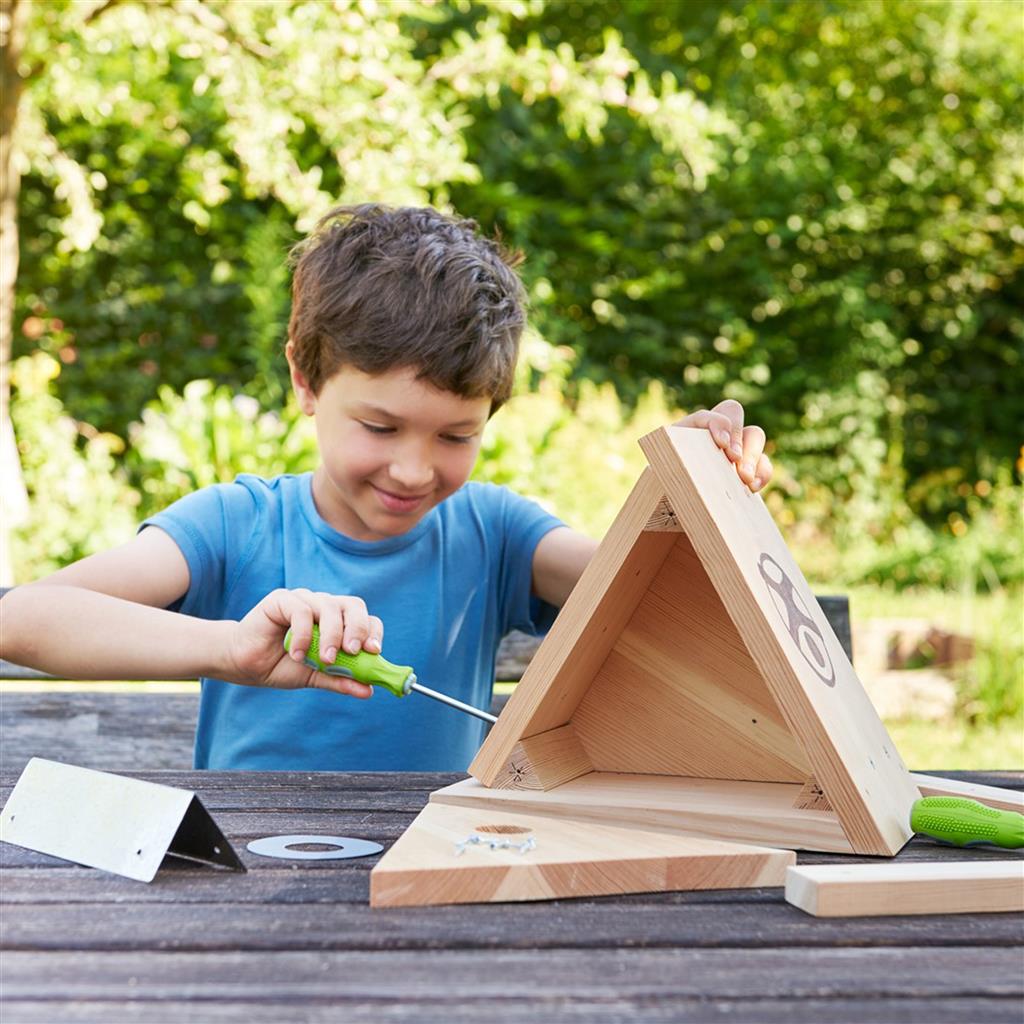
<point x="743" y="445"/>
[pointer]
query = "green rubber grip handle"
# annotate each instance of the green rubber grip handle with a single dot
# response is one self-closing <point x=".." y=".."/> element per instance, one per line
<point x="364" y="667"/>
<point x="963" y="822"/>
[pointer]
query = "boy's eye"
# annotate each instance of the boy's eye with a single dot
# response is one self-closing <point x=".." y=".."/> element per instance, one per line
<point x="458" y="438"/>
<point x="374" y="429"/>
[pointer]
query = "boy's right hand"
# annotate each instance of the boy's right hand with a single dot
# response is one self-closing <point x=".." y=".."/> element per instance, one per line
<point x="258" y="657"/>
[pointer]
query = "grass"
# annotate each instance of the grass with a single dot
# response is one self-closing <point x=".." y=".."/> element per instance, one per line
<point x="956" y="746"/>
<point x="987" y="730"/>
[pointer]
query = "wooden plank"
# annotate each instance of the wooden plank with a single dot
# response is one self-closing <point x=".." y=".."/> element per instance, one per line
<point x="994" y="796"/>
<point x="763" y="813"/>
<point x="515" y="652"/>
<point x="836" y="608"/>
<point x="685" y="923"/>
<point x="267" y="882"/>
<point x="680" y="695"/>
<point x="106" y="731"/>
<point x="807" y="672"/>
<point x="548" y="858"/>
<point x="583" y="634"/>
<point x="409" y="1008"/>
<point x="449" y="976"/>
<point x="856" y="890"/>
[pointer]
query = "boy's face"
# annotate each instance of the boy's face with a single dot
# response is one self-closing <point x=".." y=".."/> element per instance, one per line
<point x="392" y="447"/>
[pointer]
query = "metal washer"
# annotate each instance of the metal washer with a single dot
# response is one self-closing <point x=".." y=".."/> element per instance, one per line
<point x="280" y="846"/>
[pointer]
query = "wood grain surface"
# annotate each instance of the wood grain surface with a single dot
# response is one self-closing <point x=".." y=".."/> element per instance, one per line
<point x="875" y="890"/>
<point x="764" y="813"/>
<point x="297" y="941"/>
<point x="800" y="659"/>
<point x="453" y="854"/>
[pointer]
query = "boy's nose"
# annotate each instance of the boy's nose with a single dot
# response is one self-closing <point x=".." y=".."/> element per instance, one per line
<point x="412" y="473"/>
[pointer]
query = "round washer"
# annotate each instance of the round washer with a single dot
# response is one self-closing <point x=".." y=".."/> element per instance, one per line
<point x="280" y="846"/>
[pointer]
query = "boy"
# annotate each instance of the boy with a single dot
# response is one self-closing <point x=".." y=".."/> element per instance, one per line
<point x="402" y="343"/>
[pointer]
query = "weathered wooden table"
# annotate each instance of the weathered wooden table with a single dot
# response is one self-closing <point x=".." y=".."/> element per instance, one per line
<point x="297" y="941"/>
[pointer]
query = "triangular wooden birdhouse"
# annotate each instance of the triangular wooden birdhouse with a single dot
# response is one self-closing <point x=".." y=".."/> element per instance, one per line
<point x="692" y="684"/>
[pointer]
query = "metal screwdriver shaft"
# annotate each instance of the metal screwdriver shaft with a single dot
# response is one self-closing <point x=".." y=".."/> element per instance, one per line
<point x="452" y="702"/>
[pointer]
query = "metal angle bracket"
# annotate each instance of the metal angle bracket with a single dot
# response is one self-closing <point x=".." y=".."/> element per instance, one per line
<point x="111" y="822"/>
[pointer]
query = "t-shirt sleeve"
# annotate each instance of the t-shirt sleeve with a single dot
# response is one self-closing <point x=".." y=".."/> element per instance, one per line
<point x="524" y="523"/>
<point x="203" y="524"/>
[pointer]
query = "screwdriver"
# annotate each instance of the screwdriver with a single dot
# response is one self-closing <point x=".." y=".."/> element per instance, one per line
<point x="963" y="822"/>
<point x="373" y="670"/>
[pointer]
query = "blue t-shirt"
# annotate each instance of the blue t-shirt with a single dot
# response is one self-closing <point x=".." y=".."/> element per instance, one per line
<point x="447" y="592"/>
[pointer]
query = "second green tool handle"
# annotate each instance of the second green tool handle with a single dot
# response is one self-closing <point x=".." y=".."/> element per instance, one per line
<point x="364" y="667"/>
<point x="963" y="822"/>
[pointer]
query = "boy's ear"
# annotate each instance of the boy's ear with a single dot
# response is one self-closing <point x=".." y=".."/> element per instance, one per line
<point x="303" y="392"/>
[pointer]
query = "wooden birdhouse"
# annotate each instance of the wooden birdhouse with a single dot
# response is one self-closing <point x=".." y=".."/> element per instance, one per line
<point x="691" y="686"/>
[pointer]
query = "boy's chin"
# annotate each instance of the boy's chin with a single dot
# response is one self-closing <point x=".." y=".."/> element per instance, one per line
<point x="392" y="524"/>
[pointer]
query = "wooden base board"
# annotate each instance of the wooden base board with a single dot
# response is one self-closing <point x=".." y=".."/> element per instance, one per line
<point x="763" y="813"/>
<point x="880" y="890"/>
<point x="566" y="859"/>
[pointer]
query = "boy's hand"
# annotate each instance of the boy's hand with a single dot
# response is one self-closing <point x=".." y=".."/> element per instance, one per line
<point x="258" y="657"/>
<point x="743" y="445"/>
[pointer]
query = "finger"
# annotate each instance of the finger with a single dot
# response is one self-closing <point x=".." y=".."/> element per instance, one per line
<point x="339" y="684"/>
<point x="375" y="641"/>
<point x="719" y="426"/>
<point x="331" y="628"/>
<point x="357" y="624"/>
<point x="763" y="473"/>
<point x="733" y="413"/>
<point x="753" y="448"/>
<point x="300" y="621"/>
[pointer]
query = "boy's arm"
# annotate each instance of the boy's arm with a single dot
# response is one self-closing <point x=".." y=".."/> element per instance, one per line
<point x="558" y="562"/>
<point x="104" y="618"/>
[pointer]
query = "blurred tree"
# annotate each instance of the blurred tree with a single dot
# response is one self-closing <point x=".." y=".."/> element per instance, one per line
<point x="177" y="150"/>
<point x="814" y="208"/>
<point x="849" y="262"/>
<point x="12" y="486"/>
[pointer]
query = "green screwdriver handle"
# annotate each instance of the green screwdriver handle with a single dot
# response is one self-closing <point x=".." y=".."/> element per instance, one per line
<point x="364" y="667"/>
<point x="963" y="822"/>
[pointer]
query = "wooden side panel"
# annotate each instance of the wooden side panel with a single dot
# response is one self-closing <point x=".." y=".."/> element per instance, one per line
<point x="545" y="761"/>
<point x="879" y="890"/>
<point x="586" y="628"/>
<point x="789" y="638"/>
<point x="743" y="812"/>
<point x="566" y="859"/>
<point x="680" y="695"/>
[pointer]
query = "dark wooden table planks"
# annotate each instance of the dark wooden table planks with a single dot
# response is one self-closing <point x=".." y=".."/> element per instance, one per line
<point x="296" y="941"/>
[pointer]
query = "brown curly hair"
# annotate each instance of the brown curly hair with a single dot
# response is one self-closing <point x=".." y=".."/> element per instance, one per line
<point x="381" y="288"/>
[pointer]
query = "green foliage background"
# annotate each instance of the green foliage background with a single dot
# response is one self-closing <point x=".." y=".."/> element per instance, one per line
<point x="812" y="207"/>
